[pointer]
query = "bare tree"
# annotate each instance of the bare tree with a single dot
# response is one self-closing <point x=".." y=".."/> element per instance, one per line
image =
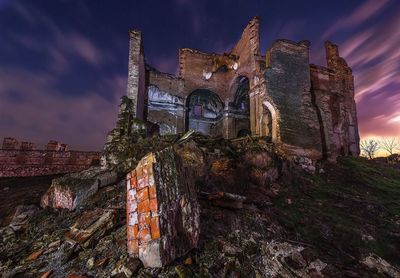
<point x="389" y="144"/>
<point x="369" y="147"/>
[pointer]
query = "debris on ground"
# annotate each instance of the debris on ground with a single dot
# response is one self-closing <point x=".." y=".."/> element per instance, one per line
<point x="259" y="215"/>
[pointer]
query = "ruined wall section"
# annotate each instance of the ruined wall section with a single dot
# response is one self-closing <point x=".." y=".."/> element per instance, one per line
<point x="136" y="89"/>
<point x="166" y="104"/>
<point x="205" y="71"/>
<point x="248" y="48"/>
<point x="24" y="163"/>
<point x="162" y="209"/>
<point x="251" y="64"/>
<point x="343" y="106"/>
<point x="288" y="87"/>
<point x="320" y="88"/>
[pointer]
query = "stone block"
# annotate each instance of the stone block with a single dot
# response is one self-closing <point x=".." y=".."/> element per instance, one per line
<point x="166" y="223"/>
<point x="73" y="190"/>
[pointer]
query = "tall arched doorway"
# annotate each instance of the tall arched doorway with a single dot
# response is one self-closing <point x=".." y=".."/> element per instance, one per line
<point x="204" y="113"/>
<point x="240" y="107"/>
<point x="268" y="121"/>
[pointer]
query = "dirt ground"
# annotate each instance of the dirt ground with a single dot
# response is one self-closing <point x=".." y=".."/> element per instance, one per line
<point x="21" y="191"/>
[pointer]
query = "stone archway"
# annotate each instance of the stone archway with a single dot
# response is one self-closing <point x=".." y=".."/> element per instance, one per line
<point x="239" y="108"/>
<point x="268" y="121"/>
<point x="204" y="112"/>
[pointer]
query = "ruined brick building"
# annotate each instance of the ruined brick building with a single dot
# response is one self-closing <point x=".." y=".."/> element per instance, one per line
<point x="306" y="109"/>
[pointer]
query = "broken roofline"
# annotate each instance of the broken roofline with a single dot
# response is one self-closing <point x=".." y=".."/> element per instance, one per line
<point x="231" y="54"/>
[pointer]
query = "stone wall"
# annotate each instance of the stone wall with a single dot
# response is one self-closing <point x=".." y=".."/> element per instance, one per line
<point x="136" y="89"/>
<point x="166" y="105"/>
<point x="288" y="86"/>
<point x="333" y="90"/>
<point x="308" y="110"/>
<point x="206" y="71"/>
<point x="22" y="163"/>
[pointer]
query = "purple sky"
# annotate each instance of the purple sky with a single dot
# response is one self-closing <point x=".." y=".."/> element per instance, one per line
<point x="63" y="64"/>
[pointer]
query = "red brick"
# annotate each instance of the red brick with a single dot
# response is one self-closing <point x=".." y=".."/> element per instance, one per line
<point x="152" y="192"/>
<point x="144" y="206"/>
<point x="132" y="232"/>
<point x="133" y="182"/>
<point x="142" y="195"/>
<point x="144" y="219"/>
<point x="133" y="246"/>
<point x="155" y="228"/>
<point x="153" y="205"/>
<point x="144" y="235"/>
<point x="143" y="182"/>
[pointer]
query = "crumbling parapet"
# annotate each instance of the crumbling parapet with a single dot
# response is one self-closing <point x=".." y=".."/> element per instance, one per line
<point x="27" y="146"/>
<point x="10" y="143"/>
<point x="162" y="209"/>
<point x="53" y="145"/>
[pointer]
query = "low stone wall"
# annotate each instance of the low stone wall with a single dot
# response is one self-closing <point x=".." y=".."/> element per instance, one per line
<point x="24" y="163"/>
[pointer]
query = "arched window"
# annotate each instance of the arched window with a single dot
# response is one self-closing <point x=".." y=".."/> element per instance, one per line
<point x="241" y="102"/>
<point x="269" y="122"/>
<point x="205" y="104"/>
<point x="204" y="112"/>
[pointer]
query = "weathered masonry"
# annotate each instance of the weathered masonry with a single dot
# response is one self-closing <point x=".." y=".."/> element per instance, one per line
<point x="162" y="209"/>
<point x="305" y="109"/>
<point x="23" y="159"/>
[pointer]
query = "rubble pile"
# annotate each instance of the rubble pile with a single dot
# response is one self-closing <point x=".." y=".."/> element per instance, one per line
<point x="202" y="207"/>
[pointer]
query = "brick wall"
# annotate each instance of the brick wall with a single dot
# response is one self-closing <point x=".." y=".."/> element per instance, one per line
<point x="162" y="209"/>
<point x="23" y="163"/>
<point x="288" y="86"/>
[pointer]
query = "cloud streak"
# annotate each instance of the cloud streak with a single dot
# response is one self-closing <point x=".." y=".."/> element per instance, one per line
<point x="363" y="13"/>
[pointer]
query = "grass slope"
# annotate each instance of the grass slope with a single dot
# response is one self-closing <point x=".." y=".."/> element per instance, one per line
<point x="347" y="212"/>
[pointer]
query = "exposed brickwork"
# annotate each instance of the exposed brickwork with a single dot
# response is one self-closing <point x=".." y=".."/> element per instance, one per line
<point x="26" y="161"/>
<point x="162" y="210"/>
<point x="307" y="110"/>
